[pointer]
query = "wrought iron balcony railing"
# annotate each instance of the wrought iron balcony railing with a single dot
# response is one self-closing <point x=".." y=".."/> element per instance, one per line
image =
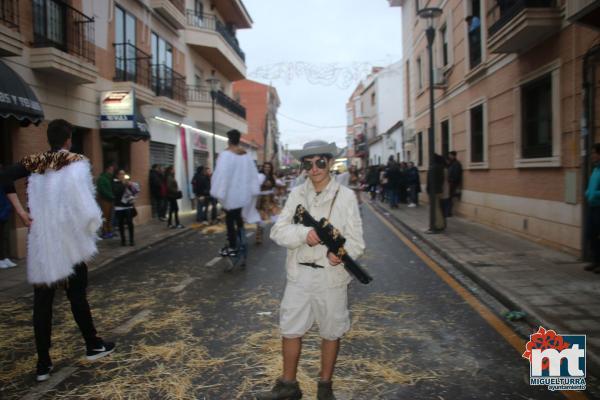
<point x="9" y="13"/>
<point x="210" y="22"/>
<point x="167" y="82"/>
<point x="509" y="9"/>
<point x="196" y="93"/>
<point x="57" y="24"/>
<point x="132" y="65"/>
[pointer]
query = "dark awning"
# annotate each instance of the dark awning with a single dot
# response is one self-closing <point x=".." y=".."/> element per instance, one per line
<point x="17" y="99"/>
<point x="139" y="132"/>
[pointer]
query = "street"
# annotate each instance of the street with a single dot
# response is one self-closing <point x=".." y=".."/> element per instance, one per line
<point x="187" y="330"/>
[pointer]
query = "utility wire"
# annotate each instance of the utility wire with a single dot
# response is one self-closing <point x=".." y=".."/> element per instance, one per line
<point x="309" y="124"/>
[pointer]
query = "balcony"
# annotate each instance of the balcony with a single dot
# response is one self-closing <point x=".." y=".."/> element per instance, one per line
<point x="171" y="10"/>
<point x="169" y="87"/>
<point x="213" y="41"/>
<point x="519" y="25"/>
<point x="133" y="71"/>
<point x="585" y="12"/>
<point x="10" y="39"/>
<point x="63" y="41"/>
<point x="229" y="114"/>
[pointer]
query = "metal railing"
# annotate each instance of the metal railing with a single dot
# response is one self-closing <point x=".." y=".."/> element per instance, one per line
<point x="211" y="22"/>
<point x="198" y="93"/>
<point x="9" y="13"/>
<point x="167" y="82"/>
<point x="132" y="64"/>
<point x="57" y="24"/>
<point x="506" y="10"/>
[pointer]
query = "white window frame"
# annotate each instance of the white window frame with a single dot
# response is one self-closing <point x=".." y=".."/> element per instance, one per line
<point x="419" y="68"/>
<point x="545" y="162"/>
<point x="485" y="163"/>
<point x="447" y="23"/>
<point x="483" y="21"/>
<point x="450" y="142"/>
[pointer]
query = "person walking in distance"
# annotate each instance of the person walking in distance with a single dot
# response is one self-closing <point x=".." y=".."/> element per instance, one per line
<point x="234" y="182"/>
<point x="106" y="198"/>
<point x="317" y="283"/>
<point x="125" y="193"/>
<point x="155" y="179"/>
<point x="592" y="195"/>
<point x="455" y="176"/>
<point x="173" y="194"/>
<point x="59" y="243"/>
<point x="413" y="181"/>
<point x="5" y="213"/>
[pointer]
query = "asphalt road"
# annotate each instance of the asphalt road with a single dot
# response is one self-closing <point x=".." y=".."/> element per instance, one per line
<point x="187" y="330"/>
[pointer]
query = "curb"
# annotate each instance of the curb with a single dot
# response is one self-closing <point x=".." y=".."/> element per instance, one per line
<point x="139" y="249"/>
<point x="531" y="317"/>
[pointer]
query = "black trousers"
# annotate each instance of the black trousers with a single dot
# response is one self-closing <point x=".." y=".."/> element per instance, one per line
<point x="43" y="296"/>
<point x="594" y="233"/>
<point x="173" y="210"/>
<point x="125" y="217"/>
<point x="234" y="222"/>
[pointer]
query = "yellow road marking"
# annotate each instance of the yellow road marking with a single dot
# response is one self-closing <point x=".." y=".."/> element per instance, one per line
<point x="491" y="318"/>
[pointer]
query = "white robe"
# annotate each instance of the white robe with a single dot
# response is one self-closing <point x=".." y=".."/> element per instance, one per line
<point x="65" y="217"/>
<point x="235" y="180"/>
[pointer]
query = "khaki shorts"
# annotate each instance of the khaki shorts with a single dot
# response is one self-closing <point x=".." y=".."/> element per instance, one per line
<point x="308" y="300"/>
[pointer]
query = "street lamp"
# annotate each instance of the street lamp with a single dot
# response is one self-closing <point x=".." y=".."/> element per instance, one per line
<point x="214" y="86"/>
<point x="430" y="14"/>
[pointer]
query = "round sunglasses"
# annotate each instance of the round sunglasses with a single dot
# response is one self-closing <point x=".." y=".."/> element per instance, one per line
<point x="321" y="163"/>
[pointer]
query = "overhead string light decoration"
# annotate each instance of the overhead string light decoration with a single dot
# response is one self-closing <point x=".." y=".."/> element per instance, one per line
<point x="342" y="75"/>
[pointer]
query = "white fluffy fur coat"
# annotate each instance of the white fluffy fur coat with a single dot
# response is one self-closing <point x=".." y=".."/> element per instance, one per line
<point x="65" y="217"/>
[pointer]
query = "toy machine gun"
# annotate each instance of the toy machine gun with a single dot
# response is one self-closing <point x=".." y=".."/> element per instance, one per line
<point x="333" y="240"/>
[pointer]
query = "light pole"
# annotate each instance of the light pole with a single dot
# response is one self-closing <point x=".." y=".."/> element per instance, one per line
<point x="213" y="82"/>
<point x="430" y="14"/>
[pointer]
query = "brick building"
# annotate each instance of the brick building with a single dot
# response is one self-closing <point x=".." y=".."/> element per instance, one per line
<point x="508" y="98"/>
<point x="261" y="102"/>
<point x="133" y="76"/>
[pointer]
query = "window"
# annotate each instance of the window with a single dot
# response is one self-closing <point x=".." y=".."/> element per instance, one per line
<point x="49" y="22"/>
<point x="417" y="8"/>
<point x="474" y="34"/>
<point x="420" y="149"/>
<point x="445" y="137"/>
<point x="444" y="36"/>
<point x="420" y="73"/>
<point x="198" y="9"/>
<point x="373" y="98"/>
<point x="536" y="118"/>
<point x="477" y="139"/>
<point x="350" y="114"/>
<point x="125" y="57"/>
<point x="357" y="108"/>
<point x="162" y="66"/>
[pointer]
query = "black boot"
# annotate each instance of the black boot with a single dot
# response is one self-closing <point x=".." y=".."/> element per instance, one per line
<point x="282" y="391"/>
<point x="325" y="391"/>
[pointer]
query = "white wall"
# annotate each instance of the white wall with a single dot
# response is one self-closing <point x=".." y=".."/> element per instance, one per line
<point x="390" y="96"/>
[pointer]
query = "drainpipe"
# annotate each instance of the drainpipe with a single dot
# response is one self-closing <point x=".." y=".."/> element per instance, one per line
<point x="590" y="60"/>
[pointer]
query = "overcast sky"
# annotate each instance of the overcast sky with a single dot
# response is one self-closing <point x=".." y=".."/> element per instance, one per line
<point x="314" y="52"/>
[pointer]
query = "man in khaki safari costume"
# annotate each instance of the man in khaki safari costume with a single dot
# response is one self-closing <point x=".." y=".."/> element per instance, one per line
<point x="317" y="282"/>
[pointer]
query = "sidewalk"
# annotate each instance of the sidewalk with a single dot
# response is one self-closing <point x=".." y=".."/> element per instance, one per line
<point x="551" y="287"/>
<point x="13" y="281"/>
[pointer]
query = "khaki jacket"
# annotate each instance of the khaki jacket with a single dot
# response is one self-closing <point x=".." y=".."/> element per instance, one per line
<point x="345" y="216"/>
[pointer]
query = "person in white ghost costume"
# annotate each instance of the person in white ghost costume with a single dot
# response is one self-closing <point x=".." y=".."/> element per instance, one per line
<point x="234" y="183"/>
<point x="317" y="283"/>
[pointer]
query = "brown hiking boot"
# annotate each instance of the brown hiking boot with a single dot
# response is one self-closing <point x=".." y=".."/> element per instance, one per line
<point x="325" y="391"/>
<point x="282" y="391"/>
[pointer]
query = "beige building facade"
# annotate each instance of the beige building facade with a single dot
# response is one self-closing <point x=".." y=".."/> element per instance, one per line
<point x="163" y="55"/>
<point x="508" y="98"/>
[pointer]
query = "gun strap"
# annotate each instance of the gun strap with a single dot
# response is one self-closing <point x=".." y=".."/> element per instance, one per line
<point x="332" y="203"/>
